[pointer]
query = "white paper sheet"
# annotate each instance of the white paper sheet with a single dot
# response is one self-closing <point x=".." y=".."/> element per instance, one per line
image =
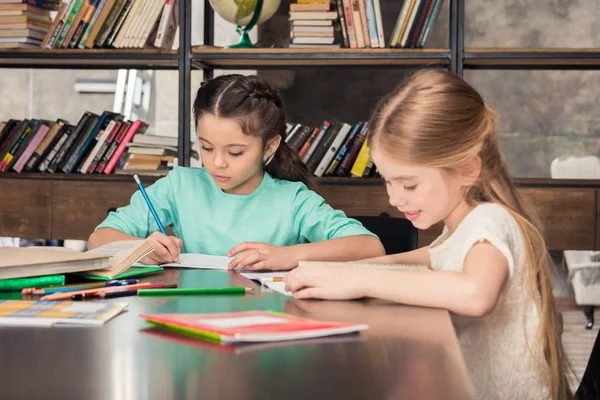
<point x="266" y="279"/>
<point x="201" y="261"/>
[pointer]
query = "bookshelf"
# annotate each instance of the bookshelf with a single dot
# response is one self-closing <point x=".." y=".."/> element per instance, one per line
<point x="69" y="206"/>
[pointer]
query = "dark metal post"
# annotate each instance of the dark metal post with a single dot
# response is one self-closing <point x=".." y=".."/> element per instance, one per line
<point x="457" y="36"/>
<point x="185" y="50"/>
<point x="209" y="33"/>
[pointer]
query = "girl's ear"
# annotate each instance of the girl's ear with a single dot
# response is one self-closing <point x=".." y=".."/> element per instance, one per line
<point x="272" y="147"/>
<point x="471" y="171"/>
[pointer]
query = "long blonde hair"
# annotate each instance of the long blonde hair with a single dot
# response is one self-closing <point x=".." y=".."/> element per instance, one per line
<point x="437" y="119"/>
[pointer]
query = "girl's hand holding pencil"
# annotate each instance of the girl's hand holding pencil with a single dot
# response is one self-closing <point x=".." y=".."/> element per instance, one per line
<point x="166" y="249"/>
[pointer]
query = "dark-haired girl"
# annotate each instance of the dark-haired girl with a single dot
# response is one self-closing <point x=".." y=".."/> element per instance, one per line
<point x="251" y="199"/>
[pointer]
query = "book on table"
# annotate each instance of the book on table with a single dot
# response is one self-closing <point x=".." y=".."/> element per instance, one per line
<point x="50" y="313"/>
<point x="109" y="260"/>
<point x="250" y="326"/>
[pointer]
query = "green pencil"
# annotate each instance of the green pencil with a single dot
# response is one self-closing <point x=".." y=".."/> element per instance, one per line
<point x="175" y="292"/>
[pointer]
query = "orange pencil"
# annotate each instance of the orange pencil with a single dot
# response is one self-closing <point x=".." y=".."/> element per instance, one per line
<point x="278" y="279"/>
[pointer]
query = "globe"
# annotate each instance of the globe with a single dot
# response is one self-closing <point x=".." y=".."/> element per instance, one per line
<point x="245" y="14"/>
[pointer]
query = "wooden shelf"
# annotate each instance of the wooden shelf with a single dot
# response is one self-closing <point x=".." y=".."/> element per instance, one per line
<point x="216" y="57"/>
<point x="89" y="58"/>
<point x="532" y="58"/>
<point x="328" y="181"/>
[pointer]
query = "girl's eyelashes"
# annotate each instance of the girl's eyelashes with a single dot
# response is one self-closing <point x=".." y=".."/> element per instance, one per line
<point x="208" y="149"/>
<point x="413" y="187"/>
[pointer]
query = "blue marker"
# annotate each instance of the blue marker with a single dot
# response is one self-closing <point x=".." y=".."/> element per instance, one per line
<point x="152" y="210"/>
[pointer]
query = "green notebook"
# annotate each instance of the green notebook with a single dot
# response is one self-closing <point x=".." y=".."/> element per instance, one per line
<point x="128" y="273"/>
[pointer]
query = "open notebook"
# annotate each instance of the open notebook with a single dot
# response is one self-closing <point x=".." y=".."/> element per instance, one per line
<point x="123" y="254"/>
<point x="250" y="326"/>
<point x="200" y="261"/>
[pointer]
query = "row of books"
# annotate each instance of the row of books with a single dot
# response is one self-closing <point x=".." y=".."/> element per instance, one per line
<point x="333" y="149"/>
<point x="414" y="23"/>
<point x="114" y="23"/>
<point x="23" y="25"/>
<point x="313" y="23"/>
<point x="94" y="145"/>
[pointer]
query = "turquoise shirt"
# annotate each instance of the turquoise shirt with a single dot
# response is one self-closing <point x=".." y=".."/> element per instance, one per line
<point x="210" y="221"/>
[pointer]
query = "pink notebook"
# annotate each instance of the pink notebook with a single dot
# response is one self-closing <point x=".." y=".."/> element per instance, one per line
<point x="250" y="326"/>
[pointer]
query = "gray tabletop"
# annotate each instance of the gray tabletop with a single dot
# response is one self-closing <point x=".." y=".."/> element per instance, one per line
<point x="407" y="353"/>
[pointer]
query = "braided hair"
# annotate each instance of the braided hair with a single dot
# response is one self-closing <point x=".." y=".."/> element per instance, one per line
<point x="259" y="110"/>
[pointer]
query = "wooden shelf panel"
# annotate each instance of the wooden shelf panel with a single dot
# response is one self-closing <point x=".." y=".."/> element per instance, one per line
<point x="327" y="181"/>
<point x="216" y="57"/>
<point x="517" y="58"/>
<point x="89" y="58"/>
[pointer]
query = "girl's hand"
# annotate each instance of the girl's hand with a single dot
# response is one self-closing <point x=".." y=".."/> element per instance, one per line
<point x="166" y="249"/>
<point x="330" y="283"/>
<point x="256" y="256"/>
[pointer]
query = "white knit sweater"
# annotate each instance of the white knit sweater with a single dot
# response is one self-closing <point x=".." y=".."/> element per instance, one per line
<point x="495" y="346"/>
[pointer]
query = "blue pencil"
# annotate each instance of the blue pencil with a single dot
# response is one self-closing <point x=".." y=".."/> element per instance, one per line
<point x="150" y="206"/>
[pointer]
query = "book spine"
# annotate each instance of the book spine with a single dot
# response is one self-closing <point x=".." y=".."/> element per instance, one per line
<point x="67" y="25"/>
<point x="40" y="3"/>
<point x="75" y="23"/>
<point x="434" y="13"/>
<point x="315" y="143"/>
<point x="87" y="29"/>
<point x="342" y="152"/>
<point x="45" y="145"/>
<point x="113" y="146"/>
<point x="298" y="141"/>
<point x="9" y="156"/>
<point x="350" y="156"/>
<point x="358" y="169"/>
<point x="342" y="21"/>
<point x="51" y="161"/>
<point x="137" y="125"/>
<point x="419" y="22"/>
<point x="356" y="22"/>
<point x="68" y="146"/>
<point x="371" y="23"/>
<point x="83" y="145"/>
<point x="84" y="23"/>
<point x="59" y="21"/>
<point x="33" y="144"/>
<point x="379" y="21"/>
<point x="331" y="152"/>
<point x="323" y="146"/>
<point x="410" y="23"/>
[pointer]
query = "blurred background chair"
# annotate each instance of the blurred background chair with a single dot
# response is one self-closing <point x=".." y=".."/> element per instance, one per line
<point x="589" y="388"/>
<point x="583" y="265"/>
<point x="397" y="235"/>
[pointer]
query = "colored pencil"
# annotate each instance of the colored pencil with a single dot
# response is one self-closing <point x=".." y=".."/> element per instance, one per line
<point x="198" y="291"/>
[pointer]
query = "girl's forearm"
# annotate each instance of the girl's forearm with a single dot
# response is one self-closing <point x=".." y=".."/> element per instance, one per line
<point x="419" y="256"/>
<point x="348" y="248"/>
<point x="449" y="290"/>
<point x="107" y="235"/>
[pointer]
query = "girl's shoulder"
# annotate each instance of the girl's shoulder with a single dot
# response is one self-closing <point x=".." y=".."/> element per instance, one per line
<point x="493" y="218"/>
